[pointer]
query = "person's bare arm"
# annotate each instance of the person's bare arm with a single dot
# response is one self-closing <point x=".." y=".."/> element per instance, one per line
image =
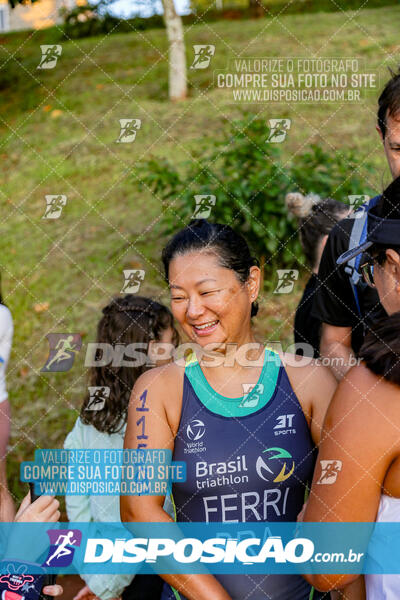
<point x="7" y="508"/>
<point x="363" y="444"/>
<point x="352" y="591"/>
<point x="159" y="389"/>
<point x="314" y="386"/>
<point x="335" y="344"/>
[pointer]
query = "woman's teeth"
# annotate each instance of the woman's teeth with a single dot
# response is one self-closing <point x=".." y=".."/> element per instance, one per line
<point x="206" y="325"/>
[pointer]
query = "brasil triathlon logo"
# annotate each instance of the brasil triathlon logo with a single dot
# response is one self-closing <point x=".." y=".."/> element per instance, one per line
<point x="195" y="430"/>
<point x="62" y="546"/>
<point x="277" y="465"/>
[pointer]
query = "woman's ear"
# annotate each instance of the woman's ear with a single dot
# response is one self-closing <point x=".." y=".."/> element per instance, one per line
<point x="253" y="282"/>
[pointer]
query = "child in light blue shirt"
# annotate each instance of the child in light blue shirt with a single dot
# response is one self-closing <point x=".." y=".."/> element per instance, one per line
<point x="126" y="320"/>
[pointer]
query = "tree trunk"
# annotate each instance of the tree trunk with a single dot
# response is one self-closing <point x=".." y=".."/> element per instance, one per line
<point x="177" y="58"/>
<point x="256" y="9"/>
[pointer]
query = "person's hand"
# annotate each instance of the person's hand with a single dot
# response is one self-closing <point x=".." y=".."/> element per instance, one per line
<point x="85" y="593"/>
<point x="44" y="509"/>
<point x="300" y="516"/>
<point x="52" y="590"/>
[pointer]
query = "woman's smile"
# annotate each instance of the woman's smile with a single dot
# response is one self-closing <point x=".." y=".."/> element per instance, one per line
<point x="205" y="328"/>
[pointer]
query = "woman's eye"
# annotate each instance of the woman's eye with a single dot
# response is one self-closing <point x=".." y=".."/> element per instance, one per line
<point x="177" y="298"/>
<point x="209" y="292"/>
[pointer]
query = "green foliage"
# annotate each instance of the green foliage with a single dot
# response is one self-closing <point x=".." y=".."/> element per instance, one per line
<point x="91" y="20"/>
<point x="249" y="178"/>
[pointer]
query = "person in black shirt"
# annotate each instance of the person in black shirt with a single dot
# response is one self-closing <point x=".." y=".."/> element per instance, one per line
<point x="343" y="327"/>
<point x="316" y="218"/>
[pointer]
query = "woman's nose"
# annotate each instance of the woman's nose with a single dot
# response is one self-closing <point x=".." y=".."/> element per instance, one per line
<point x="194" y="308"/>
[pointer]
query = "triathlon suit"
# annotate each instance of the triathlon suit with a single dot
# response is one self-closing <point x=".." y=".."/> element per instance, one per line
<point x="248" y="459"/>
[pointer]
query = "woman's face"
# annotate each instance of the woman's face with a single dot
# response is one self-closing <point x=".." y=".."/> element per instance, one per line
<point x="387" y="281"/>
<point x="208" y="300"/>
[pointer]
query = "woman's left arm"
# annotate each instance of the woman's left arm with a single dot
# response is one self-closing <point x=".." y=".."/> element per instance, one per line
<point x="358" y="444"/>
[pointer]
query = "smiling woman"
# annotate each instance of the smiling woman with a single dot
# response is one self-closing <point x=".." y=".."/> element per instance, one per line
<point x="222" y="417"/>
<point x="232" y="290"/>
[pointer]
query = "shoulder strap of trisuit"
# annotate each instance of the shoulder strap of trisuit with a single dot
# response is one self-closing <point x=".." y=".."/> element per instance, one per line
<point x="357" y="237"/>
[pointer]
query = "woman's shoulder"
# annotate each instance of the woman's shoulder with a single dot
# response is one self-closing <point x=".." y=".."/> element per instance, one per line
<point x="159" y="377"/>
<point x="370" y="387"/>
<point x="308" y="376"/>
<point x="368" y="400"/>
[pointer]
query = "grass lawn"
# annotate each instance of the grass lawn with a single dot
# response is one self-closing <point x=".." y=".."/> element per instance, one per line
<point x="58" y="131"/>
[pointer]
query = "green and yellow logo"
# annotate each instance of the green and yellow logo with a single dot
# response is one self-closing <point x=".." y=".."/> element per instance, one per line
<point x="267" y="470"/>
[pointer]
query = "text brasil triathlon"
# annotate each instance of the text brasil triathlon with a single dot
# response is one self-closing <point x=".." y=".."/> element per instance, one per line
<point x="212" y="551"/>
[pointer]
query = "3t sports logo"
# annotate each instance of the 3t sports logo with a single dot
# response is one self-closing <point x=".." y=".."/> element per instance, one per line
<point x="284" y="425"/>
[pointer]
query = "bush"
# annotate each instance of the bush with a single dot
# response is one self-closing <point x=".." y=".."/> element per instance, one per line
<point x="81" y="21"/>
<point x="248" y="178"/>
<point x="90" y="20"/>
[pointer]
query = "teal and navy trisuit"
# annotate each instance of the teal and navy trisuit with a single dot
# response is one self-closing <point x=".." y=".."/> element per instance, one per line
<point x="248" y="459"/>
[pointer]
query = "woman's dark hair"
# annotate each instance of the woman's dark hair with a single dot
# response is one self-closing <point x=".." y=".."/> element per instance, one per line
<point x="389" y="100"/>
<point x="231" y="248"/>
<point x="381" y="348"/>
<point x="316" y="217"/>
<point x="126" y="320"/>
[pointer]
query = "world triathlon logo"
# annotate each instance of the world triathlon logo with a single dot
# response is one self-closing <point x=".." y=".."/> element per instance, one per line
<point x="277" y="465"/>
<point x="195" y="430"/>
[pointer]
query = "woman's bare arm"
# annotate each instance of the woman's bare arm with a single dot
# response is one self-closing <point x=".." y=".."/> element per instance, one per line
<point x="360" y="440"/>
<point x="157" y="391"/>
<point x="314" y="386"/>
